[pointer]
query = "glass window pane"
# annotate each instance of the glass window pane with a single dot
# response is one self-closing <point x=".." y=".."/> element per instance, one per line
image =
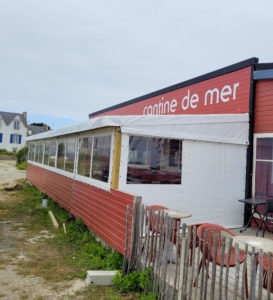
<point x="264" y="148"/>
<point x="41" y="152"/>
<point x="264" y="179"/>
<point x="31" y="152"/>
<point x="52" y="153"/>
<point x="60" y="156"/>
<point x="101" y="158"/>
<point x="46" y="153"/>
<point x="85" y="145"/>
<point x="70" y="155"/>
<point x="154" y="161"/>
<point x="37" y="148"/>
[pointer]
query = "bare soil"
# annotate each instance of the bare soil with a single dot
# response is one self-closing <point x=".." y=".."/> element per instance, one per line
<point x="25" y="260"/>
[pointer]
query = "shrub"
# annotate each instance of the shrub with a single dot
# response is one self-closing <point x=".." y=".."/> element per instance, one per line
<point x="137" y="281"/>
<point x="5" y="152"/>
<point x="21" y="155"/>
<point x="22" y="166"/>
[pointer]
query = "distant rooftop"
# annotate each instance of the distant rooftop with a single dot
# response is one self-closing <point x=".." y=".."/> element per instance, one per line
<point x="8" y="117"/>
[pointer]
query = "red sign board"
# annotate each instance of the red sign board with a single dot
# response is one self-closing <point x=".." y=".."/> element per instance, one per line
<point x="225" y="94"/>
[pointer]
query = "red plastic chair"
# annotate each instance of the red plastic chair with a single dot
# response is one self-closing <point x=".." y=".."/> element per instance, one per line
<point x="265" y="271"/>
<point x="191" y="241"/>
<point x="153" y="209"/>
<point x="217" y="229"/>
<point x="153" y="228"/>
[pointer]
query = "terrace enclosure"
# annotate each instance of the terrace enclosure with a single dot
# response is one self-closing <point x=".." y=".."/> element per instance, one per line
<point x="187" y="147"/>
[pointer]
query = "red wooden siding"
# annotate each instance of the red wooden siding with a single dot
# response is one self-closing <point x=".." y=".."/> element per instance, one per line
<point x="264" y="106"/>
<point x="104" y="212"/>
<point x="240" y="105"/>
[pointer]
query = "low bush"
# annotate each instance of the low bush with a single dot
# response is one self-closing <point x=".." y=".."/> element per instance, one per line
<point x="21" y="155"/>
<point x="22" y="166"/>
<point x="5" y="152"/>
<point x="136" y="281"/>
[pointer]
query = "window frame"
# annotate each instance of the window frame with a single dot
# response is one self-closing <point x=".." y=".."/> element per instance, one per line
<point x="125" y="148"/>
<point x="256" y="137"/>
<point x="16" y="124"/>
<point x="90" y="180"/>
<point x="73" y="175"/>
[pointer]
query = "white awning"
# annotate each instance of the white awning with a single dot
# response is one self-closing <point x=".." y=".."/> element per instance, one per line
<point x="226" y="128"/>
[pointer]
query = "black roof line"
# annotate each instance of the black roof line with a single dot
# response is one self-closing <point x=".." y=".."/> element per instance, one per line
<point x="264" y="66"/>
<point x="219" y="72"/>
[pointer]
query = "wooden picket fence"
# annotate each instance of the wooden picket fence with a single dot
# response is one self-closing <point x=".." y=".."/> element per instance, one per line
<point x="179" y="270"/>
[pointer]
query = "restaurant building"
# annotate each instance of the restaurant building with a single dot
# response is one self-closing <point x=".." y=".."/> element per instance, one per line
<point x="200" y="145"/>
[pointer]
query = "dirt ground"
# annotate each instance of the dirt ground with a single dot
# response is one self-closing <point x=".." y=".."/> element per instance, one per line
<point x="16" y="246"/>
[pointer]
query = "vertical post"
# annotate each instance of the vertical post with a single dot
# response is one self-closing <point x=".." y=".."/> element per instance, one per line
<point x="182" y="261"/>
<point x="134" y="233"/>
<point x="116" y="159"/>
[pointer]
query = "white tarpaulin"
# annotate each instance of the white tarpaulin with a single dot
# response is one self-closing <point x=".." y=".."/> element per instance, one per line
<point x="228" y="128"/>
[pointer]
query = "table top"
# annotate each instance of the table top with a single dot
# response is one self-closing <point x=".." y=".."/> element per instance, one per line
<point x="253" y="241"/>
<point x="176" y="214"/>
<point x="253" y="201"/>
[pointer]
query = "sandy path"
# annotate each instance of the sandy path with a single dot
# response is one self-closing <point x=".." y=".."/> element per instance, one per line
<point x="13" y="236"/>
<point x="9" y="172"/>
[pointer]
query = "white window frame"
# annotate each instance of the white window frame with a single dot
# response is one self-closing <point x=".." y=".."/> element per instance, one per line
<point x="16" y="124"/>
<point x="15" y="138"/>
<point x="257" y="136"/>
<point x="88" y="180"/>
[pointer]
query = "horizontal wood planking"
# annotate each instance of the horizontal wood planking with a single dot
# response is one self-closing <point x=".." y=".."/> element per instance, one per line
<point x="104" y="212"/>
<point x="263" y="106"/>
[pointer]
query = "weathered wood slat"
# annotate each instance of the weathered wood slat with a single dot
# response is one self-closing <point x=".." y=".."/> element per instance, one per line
<point x="261" y="263"/>
<point x="244" y="274"/>
<point x="212" y="289"/>
<point x="222" y="258"/>
<point x="269" y="274"/>
<point x="237" y="271"/>
<point x="192" y="258"/>
<point x="124" y="266"/>
<point x="230" y="242"/>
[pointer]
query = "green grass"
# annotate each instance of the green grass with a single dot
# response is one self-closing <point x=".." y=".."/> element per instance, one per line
<point x="5" y="152"/>
<point x="64" y="256"/>
<point x="22" y="166"/>
<point x="82" y="250"/>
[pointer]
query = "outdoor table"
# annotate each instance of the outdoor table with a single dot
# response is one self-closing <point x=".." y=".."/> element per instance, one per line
<point x="252" y="206"/>
<point x="253" y="241"/>
<point x="176" y="214"/>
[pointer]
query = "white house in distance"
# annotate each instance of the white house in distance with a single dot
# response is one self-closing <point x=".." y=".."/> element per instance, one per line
<point x="14" y="129"/>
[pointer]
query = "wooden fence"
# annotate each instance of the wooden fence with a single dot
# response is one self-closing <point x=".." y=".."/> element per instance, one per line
<point x="184" y="266"/>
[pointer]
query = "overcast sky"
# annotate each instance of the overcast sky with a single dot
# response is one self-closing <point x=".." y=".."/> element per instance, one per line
<point x="61" y="59"/>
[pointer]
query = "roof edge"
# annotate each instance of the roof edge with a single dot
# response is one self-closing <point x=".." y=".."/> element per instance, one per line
<point x="210" y="75"/>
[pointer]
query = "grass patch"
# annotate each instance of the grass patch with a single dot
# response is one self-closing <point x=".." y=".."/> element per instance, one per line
<point x="22" y="166"/>
<point x="63" y="256"/>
